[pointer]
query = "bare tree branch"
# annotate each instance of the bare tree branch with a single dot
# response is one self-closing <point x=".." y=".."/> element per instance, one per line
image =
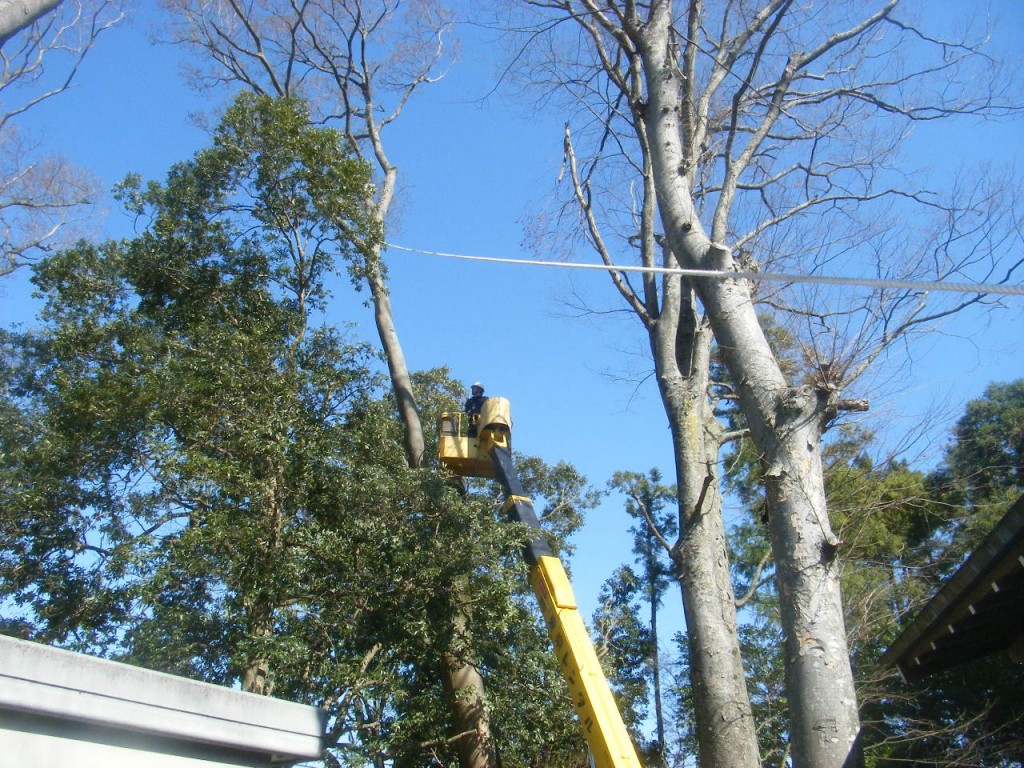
<point x="41" y="195"/>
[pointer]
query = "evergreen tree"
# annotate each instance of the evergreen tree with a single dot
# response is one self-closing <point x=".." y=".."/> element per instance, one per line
<point x="203" y="477"/>
<point x="630" y="601"/>
<point x="983" y="469"/>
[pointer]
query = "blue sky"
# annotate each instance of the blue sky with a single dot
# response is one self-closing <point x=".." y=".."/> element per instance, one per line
<point x="473" y="169"/>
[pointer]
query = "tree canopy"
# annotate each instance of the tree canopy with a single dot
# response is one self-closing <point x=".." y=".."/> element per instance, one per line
<point x="202" y="476"/>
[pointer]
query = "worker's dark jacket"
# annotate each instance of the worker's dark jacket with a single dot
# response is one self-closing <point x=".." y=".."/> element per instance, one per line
<point x="474" y="404"/>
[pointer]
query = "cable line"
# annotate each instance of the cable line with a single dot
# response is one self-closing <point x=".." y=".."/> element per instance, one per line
<point x="916" y="285"/>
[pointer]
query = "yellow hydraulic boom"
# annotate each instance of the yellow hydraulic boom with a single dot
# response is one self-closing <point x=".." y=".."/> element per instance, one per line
<point x="489" y="454"/>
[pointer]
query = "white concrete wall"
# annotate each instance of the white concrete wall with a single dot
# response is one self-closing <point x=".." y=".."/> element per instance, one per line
<point x="31" y="750"/>
<point x="59" y="708"/>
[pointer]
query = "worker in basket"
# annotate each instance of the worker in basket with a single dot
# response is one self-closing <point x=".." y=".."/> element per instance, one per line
<point x="473" y="405"/>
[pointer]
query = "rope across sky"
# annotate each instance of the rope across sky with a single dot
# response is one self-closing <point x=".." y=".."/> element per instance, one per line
<point x="915" y="285"/>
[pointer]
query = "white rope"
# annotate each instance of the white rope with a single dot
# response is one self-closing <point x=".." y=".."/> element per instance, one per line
<point x="917" y="285"/>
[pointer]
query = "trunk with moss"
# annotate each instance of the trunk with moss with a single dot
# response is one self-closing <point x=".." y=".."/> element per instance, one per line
<point x="681" y="343"/>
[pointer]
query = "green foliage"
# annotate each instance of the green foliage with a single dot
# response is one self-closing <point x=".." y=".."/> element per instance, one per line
<point x="988" y="453"/>
<point x="650" y="502"/>
<point x="984" y="466"/>
<point x="560" y="496"/>
<point x="200" y="476"/>
<point x="626" y="620"/>
<point x="625" y="642"/>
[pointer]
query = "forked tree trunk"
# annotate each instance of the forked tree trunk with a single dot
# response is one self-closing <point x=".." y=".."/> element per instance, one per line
<point x="680" y="344"/>
<point x="725" y="722"/>
<point x="785" y="424"/>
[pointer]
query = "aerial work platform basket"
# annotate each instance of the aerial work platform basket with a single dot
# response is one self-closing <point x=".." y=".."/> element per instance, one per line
<point x="469" y="456"/>
<point x="485" y="450"/>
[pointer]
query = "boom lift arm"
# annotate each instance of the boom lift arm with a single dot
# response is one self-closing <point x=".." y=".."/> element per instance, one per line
<point x="490" y="455"/>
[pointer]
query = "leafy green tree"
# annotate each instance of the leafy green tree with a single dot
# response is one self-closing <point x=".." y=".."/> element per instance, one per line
<point x="623" y="643"/>
<point x="649" y="502"/>
<point x="988" y="452"/>
<point x="202" y="477"/>
<point x="359" y="63"/>
<point x="984" y="466"/>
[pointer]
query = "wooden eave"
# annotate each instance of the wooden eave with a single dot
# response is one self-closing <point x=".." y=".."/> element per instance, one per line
<point x="977" y="612"/>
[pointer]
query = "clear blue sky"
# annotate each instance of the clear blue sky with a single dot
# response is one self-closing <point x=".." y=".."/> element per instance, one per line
<point x="472" y="170"/>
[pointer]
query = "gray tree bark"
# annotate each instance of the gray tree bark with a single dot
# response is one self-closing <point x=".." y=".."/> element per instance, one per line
<point x="680" y="342"/>
<point x="387" y="331"/>
<point x="779" y="122"/>
<point x="15" y="15"/>
<point x="682" y="351"/>
<point x="786" y="424"/>
<point x="461" y="679"/>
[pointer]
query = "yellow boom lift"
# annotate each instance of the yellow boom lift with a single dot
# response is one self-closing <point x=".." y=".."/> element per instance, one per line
<point x="489" y="454"/>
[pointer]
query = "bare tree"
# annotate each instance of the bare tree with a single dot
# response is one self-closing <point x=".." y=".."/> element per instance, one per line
<point x="357" y="64"/>
<point x="680" y="340"/>
<point x="40" y="195"/>
<point x="761" y="136"/>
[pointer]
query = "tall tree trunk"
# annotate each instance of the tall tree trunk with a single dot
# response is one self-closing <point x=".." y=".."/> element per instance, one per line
<point x="401" y="381"/>
<point x="259" y="609"/>
<point x="785" y="424"/>
<point x="343" y="63"/>
<point x="725" y="723"/>
<point x="461" y="679"/>
<point x="470" y="718"/>
<point x="807" y="577"/>
<point x="680" y="344"/>
<point x="463" y="688"/>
